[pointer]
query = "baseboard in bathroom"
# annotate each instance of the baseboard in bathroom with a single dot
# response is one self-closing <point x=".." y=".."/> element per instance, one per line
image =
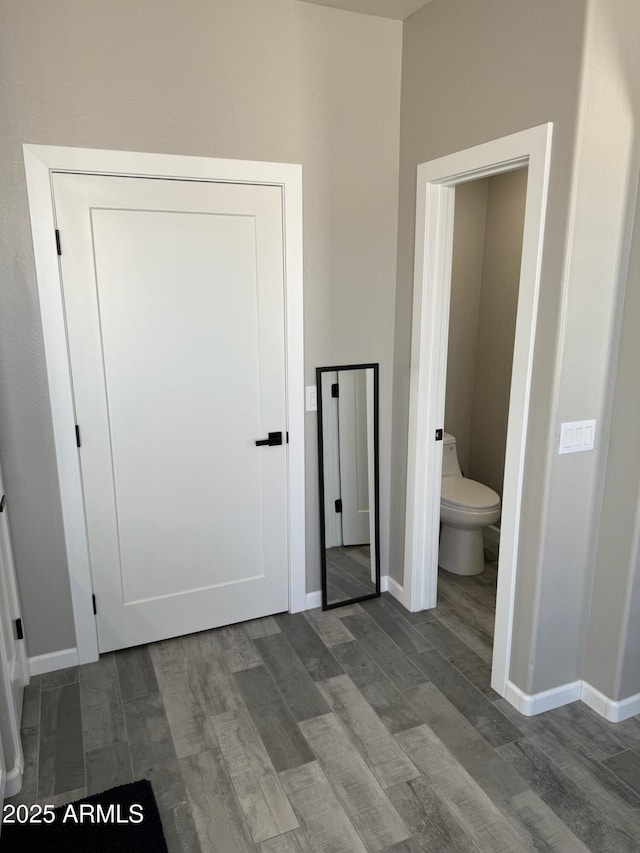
<point x="492" y="533"/>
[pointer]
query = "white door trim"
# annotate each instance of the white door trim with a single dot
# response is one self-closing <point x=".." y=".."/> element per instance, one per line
<point x="40" y="162"/>
<point x="431" y="294"/>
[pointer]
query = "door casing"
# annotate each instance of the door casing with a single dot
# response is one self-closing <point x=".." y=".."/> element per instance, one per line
<point x="40" y="162"/>
<point x="436" y="182"/>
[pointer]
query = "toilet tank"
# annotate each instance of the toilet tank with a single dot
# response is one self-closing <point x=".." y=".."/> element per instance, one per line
<point x="450" y="466"/>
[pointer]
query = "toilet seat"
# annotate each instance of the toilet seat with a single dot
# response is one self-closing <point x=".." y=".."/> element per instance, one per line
<point x="462" y="493"/>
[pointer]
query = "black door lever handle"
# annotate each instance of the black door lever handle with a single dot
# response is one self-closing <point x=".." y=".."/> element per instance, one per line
<point x="274" y="439"/>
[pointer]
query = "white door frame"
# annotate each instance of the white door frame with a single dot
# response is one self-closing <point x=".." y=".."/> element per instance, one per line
<point x="40" y="162"/>
<point x="431" y="296"/>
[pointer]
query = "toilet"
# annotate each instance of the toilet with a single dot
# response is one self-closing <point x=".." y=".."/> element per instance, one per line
<point x="466" y="507"/>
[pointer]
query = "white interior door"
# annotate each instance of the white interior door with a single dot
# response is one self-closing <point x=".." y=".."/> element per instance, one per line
<point x="174" y="302"/>
<point x="354" y="456"/>
<point x="331" y="462"/>
<point x="13" y="661"/>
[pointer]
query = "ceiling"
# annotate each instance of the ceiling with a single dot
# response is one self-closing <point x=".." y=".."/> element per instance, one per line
<point x="398" y="9"/>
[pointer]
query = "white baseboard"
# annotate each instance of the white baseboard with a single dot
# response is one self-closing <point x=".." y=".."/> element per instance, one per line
<point x="63" y="659"/>
<point x="394" y="589"/>
<point x="611" y="710"/>
<point x="492" y="533"/>
<point x="536" y="703"/>
<point x="314" y="599"/>
<point x="399" y="593"/>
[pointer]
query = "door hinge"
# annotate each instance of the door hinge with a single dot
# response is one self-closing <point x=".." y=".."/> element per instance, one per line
<point x="335" y="390"/>
<point x="19" y="631"/>
<point x="58" y="244"/>
<point x="3" y="502"/>
<point x="339" y="505"/>
<point x="95" y="606"/>
<point x="78" y="442"/>
<point x="439" y="433"/>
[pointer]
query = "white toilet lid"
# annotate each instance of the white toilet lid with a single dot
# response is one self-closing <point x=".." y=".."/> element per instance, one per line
<point x="463" y="493"/>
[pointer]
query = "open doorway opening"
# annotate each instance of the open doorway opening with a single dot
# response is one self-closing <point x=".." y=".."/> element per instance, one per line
<point x="485" y="281"/>
<point x="437" y="181"/>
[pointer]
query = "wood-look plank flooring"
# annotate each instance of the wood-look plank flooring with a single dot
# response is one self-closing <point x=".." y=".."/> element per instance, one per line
<point x="366" y="728"/>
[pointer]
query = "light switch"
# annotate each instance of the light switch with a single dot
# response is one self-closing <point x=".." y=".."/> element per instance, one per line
<point x="311" y="397"/>
<point x="576" y="436"/>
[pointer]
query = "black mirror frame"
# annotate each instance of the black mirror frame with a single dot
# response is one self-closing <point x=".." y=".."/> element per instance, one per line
<point x="326" y="605"/>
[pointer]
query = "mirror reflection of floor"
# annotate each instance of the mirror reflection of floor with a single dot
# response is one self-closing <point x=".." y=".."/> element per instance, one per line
<point x="348" y="572"/>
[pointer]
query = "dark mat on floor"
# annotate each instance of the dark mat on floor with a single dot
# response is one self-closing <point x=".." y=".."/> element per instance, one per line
<point x="121" y="820"/>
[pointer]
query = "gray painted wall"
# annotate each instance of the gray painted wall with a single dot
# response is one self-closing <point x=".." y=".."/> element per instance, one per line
<point x="288" y="81"/>
<point x="485" y="278"/>
<point x="466" y="283"/>
<point x="612" y="661"/>
<point x="623" y="482"/>
<point x="496" y="327"/>
<point x="574" y="602"/>
<point x="250" y="79"/>
<point x="502" y="68"/>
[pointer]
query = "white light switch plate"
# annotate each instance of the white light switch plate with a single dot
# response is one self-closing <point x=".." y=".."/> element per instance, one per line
<point x="576" y="436"/>
<point x="311" y="397"/>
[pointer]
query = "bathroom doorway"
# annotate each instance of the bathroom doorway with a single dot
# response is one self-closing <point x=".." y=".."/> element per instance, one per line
<point x="435" y="203"/>
<point x="485" y="280"/>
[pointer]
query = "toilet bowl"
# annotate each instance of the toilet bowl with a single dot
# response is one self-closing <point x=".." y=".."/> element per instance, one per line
<point x="466" y="508"/>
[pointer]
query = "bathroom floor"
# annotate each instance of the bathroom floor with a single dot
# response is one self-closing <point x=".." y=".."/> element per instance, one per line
<point x="365" y="728"/>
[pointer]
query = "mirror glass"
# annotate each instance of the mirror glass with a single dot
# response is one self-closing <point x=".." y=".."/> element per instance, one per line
<point x="348" y="455"/>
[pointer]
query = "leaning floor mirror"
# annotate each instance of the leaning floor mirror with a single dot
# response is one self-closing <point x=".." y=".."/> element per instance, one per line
<point x="349" y="476"/>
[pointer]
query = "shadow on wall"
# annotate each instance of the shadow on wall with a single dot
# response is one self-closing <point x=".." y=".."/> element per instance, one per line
<point x="487" y="252"/>
<point x="612" y="663"/>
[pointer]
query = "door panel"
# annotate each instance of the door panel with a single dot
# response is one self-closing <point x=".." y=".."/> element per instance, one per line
<point x="353" y="415"/>
<point x="331" y="462"/>
<point x="175" y="312"/>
